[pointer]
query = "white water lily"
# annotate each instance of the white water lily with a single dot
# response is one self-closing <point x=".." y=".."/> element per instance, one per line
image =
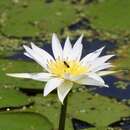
<point x="67" y="67"/>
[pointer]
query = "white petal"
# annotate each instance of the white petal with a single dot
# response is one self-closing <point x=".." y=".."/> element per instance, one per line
<point x="102" y="67"/>
<point x="52" y="84"/>
<point x="45" y="55"/>
<point x="92" y="79"/>
<point x="67" y="49"/>
<point x="77" y="49"/>
<point x="103" y="59"/>
<point x="34" y="76"/>
<point x="91" y="56"/>
<point x="56" y="47"/>
<point x="103" y="73"/>
<point x="64" y="89"/>
<point x="38" y="58"/>
<point x="99" y="61"/>
<point x="28" y="55"/>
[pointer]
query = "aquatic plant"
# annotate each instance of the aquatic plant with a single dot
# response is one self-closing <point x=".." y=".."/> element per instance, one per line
<point x="66" y="68"/>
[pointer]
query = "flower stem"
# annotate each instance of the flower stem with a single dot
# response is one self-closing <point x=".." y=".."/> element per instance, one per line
<point x="63" y="115"/>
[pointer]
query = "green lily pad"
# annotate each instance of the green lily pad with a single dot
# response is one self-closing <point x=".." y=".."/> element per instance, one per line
<point x="12" y="98"/>
<point x="24" y="121"/>
<point x="94" y="108"/>
<point x="110" y="15"/>
<point x="33" y="18"/>
<point x="84" y="106"/>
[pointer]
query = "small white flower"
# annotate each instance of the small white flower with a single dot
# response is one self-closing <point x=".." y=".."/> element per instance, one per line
<point x="67" y="67"/>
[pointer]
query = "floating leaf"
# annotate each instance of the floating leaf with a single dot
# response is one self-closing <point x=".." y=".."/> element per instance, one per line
<point x="83" y="106"/>
<point x="110" y="15"/>
<point x="32" y="18"/>
<point x="24" y="121"/>
<point x="12" y="98"/>
<point x="94" y="108"/>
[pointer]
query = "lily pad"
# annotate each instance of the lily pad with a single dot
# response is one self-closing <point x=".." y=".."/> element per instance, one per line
<point x="12" y="98"/>
<point x="24" y="121"/>
<point x="94" y="108"/>
<point x="110" y="15"/>
<point x="84" y="106"/>
<point x="29" y="18"/>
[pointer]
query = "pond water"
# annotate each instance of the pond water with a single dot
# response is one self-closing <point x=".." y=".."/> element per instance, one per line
<point x="78" y="124"/>
<point x="124" y="123"/>
<point x="88" y="47"/>
<point x="113" y="91"/>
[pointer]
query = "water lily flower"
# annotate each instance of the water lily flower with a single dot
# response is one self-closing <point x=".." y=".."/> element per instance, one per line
<point x="66" y="66"/>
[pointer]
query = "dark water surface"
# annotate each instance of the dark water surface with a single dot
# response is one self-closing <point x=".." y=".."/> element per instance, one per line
<point x="113" y="91"/>
<point x="88" y="47"/>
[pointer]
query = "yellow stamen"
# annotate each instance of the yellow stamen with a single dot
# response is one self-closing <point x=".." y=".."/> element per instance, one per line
<point x="60" y="68"/>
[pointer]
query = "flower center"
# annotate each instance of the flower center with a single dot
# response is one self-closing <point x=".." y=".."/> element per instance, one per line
<point x="60" y="68"/>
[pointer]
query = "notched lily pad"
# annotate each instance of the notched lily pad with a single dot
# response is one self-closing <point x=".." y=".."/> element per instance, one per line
<point x="78" y="124"/>
<point x="24" y="121"/>
<point x="85" y="106"/>
<point x="95" y="110"/>
<point x="12" y="98"/>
